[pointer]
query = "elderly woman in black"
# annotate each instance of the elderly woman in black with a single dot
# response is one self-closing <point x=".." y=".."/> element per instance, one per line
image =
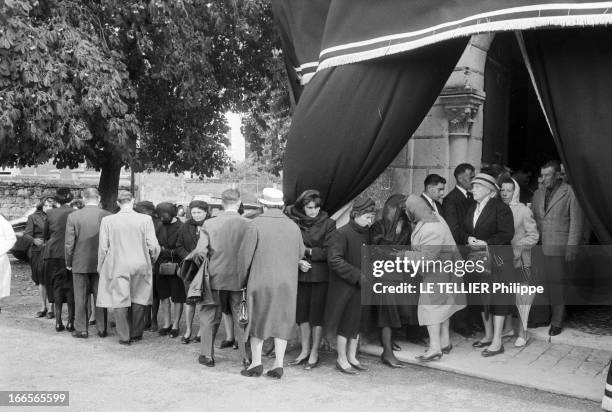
<point x="169" y="286"/>
<point x="35" y="227"/>
<point x="343" y="309"/>
<point x="313" y="275"/>
<point x="186" y="242"/>
<point x="490" y="223"/>
<point x="393" y="229"/>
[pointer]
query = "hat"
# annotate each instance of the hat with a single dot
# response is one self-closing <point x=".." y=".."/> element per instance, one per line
<point x="363" y="205"/>
<point x="166" y="207"/>
<point x="145" y="206"/>
<point x="200" y="204"/>
<point x="271" y="197"/>
<point x="63" y="195"/>
<point x="486" y="180"/>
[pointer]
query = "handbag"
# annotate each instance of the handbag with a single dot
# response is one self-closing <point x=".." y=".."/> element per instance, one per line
<point x="168" y="268"/>
<point x="243" y="310"/>
<point x="187" y="270"/>
<point x="481" y="257"/>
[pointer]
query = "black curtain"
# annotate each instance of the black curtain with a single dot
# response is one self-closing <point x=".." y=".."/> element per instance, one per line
<point x="351" y="121"/>
<point x="572" y="70"/>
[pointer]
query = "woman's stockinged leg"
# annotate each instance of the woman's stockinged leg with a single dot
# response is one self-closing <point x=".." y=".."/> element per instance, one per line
<point x="317" y="335"/>
<point x="341" y="344"/>
<point x="280" y="345"/>
<point x="351" y="353"/>
<point x="256" y="347"/>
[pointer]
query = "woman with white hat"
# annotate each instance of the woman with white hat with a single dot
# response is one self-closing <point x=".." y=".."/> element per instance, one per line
<point x="490" y="223"/>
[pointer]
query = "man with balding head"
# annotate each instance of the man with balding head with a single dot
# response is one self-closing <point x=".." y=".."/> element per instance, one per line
<point x="81" y="249"/>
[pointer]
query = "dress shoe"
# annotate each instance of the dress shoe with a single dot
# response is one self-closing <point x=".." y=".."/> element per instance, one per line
<point x="198" y="339"/>
<point x="70" y="327"/>
<point x="173" y="333"/>
<point x="206" y="361"/>
<point x="92" y="323"/>
<point x="521" y="342"/>
<point x="102" y="334"/>
<point x="358" y="366"/>
<point x="227" y="344"/>
<point x="487" y="353"/>
<point x="310" y="366"/>
<point x="136" y="338"/>
<point x="254" y="372"/>
<point x="480" y="344"/>
<point x="433" y="357"/>
<point x="124" y="342"/>
<point x="275" y="373"/>
<point x="82" y="335"/>
<point x="297" y="362"/>
<point x="185" y="340"/>
<point x="391" y="364"/>
<point x="41" y="314"/>
<point x="447" y="349"/>
<point x="555" y="330"/>
<point x="165" y="331"/>
<point x="50" y="315"/>
<point x="59" y="327"/>
<point x="348" y="371"/>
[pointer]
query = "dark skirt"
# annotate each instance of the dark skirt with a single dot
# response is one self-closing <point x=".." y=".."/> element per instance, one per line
<point x="497" y="304"/>
<point x="37" y="266"/>
<point x="171" y="287"/>
<point x="60" y="288"/>
<point x="311" y="298"/>
<point x="343" y="308"/>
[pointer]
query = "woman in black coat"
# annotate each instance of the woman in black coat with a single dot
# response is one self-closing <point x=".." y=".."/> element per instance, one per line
<point x="490" y="223"/>
<point x="186" y="242"/>
<point x="313" y="275"/>
<point x="343" y="309"/>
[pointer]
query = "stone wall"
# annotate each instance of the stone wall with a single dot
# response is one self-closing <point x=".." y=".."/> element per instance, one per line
<point x="17" y="196"/>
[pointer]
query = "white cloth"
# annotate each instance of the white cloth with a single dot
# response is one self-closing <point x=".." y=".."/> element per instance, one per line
<point x="7" y="240"/>
<point x="479" y="208"/>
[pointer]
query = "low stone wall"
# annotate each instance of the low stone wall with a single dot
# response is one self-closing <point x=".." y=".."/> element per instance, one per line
<point x="19" y="196"/>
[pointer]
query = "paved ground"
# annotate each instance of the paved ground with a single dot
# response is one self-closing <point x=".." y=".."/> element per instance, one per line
<point x="160" y="373"/>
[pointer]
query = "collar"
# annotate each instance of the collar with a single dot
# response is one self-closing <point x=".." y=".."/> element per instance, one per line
<point x="484" y="202"/>
<point x="462" y="190"/>
<point x="555" y="186"/>
<point x="429" y="199"/>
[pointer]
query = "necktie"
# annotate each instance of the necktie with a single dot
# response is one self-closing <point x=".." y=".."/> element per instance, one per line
<point x="470" y="196"/>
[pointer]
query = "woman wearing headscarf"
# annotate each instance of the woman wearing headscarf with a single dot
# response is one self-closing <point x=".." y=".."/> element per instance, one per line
<point x="392" y="229"/>
<point x="525" y="237"/>
<point x="313" y="275"/>
<point x="7" y="240"/>
<point x="432" y="240"/>
<point x="169" y="286"/>
<point x="343" y="308"/>
<point x="186" y="242"/>
<point x="490" y="223"/>
<point x="34" y="233"/>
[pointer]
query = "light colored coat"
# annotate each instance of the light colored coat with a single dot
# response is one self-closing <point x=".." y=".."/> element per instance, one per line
<point x="560" y="225"/>
<point x="7" y="240"/>
<point x="525" y="234"/>
<point x="434" y="241"/>
<point x="128" y="247"/>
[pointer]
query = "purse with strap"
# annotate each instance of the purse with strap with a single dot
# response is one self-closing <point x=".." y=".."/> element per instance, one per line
<point x="168" y="268"/>
<point x="243" y="311"/>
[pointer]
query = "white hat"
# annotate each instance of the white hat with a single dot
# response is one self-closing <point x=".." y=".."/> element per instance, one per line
<point x="271" y="197"/>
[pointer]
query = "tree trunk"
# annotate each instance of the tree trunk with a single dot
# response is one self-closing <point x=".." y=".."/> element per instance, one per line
<point x="109" y="184"/>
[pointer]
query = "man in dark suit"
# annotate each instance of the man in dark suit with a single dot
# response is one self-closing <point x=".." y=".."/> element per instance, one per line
<point x="81" y="251"/>
<point x="220" y="240"/>
<point x="456" y="205"/>
<point x="59" y="280"/>
<point x="561" y="225"/>
<point x="433" y="191"/>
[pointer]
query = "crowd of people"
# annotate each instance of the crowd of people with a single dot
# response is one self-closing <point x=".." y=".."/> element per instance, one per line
<point x="291" y="266"/>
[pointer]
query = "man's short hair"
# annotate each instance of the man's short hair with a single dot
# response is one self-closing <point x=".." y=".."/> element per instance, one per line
<point x="63" y="195"/>
<point x="462" y="168"/>
<point x="230" y="196"/>
<point x="91" y="193"/>
<point x="508" y="180"/>
<point x="433" y="180"/>
<point x="555" y="164"/>
<point x="124" y="196"/>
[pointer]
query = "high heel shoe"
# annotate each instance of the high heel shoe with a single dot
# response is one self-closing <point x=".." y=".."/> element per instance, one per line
<point x="275" y="373"/>
<point x="298" y="361"/>
<point x="253" y="372"/>
<point x="41" y="314"/>
<point x="446" y="350"/>
<point x="481" y="344"/>
<point x="70" y="327"/>
<point x="59" y="327"/>
<point x="359" y="367"/>
<point x="165" y="331"/>
<point x="310" y="366"/>
<point x="348" y="371"/>
<point x="434" y="357"/>
<point x="173" y="333"/>
<point x="387" y="362"/>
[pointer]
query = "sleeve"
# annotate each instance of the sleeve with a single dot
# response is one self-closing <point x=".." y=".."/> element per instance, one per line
<point x="430" y="244"/>
<point x="7" y="236"/>
<point x="201" y="250"/>
<point x="103" y="244"/>
<point x="505" y="226"/>
<point x="69" y="240"/>
<point x="531" y="230"/>
<point x="151" y="239"/>
<point x="576" y="227"/>
<point x="29" y="229"/>
<point x="319" y="253"/>
<point x="248" y="246"/>
<point x="337" y="262"/>
<point x="456" y="226"/>
<point x="180" y="250"/>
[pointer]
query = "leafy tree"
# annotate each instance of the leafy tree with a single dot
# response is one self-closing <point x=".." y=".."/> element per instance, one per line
<point x="129" y="82"/>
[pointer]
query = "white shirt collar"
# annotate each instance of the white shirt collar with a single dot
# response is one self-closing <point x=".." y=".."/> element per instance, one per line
<point x="431" y="202"/>
<point x="462" y="190"/>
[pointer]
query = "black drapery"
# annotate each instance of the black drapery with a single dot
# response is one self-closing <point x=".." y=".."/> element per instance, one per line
<point x="351" y="121"/>
<point x="572" y="70"/>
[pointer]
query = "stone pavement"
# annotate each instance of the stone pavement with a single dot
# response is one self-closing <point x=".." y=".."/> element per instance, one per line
<point x="558" y="367"/>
